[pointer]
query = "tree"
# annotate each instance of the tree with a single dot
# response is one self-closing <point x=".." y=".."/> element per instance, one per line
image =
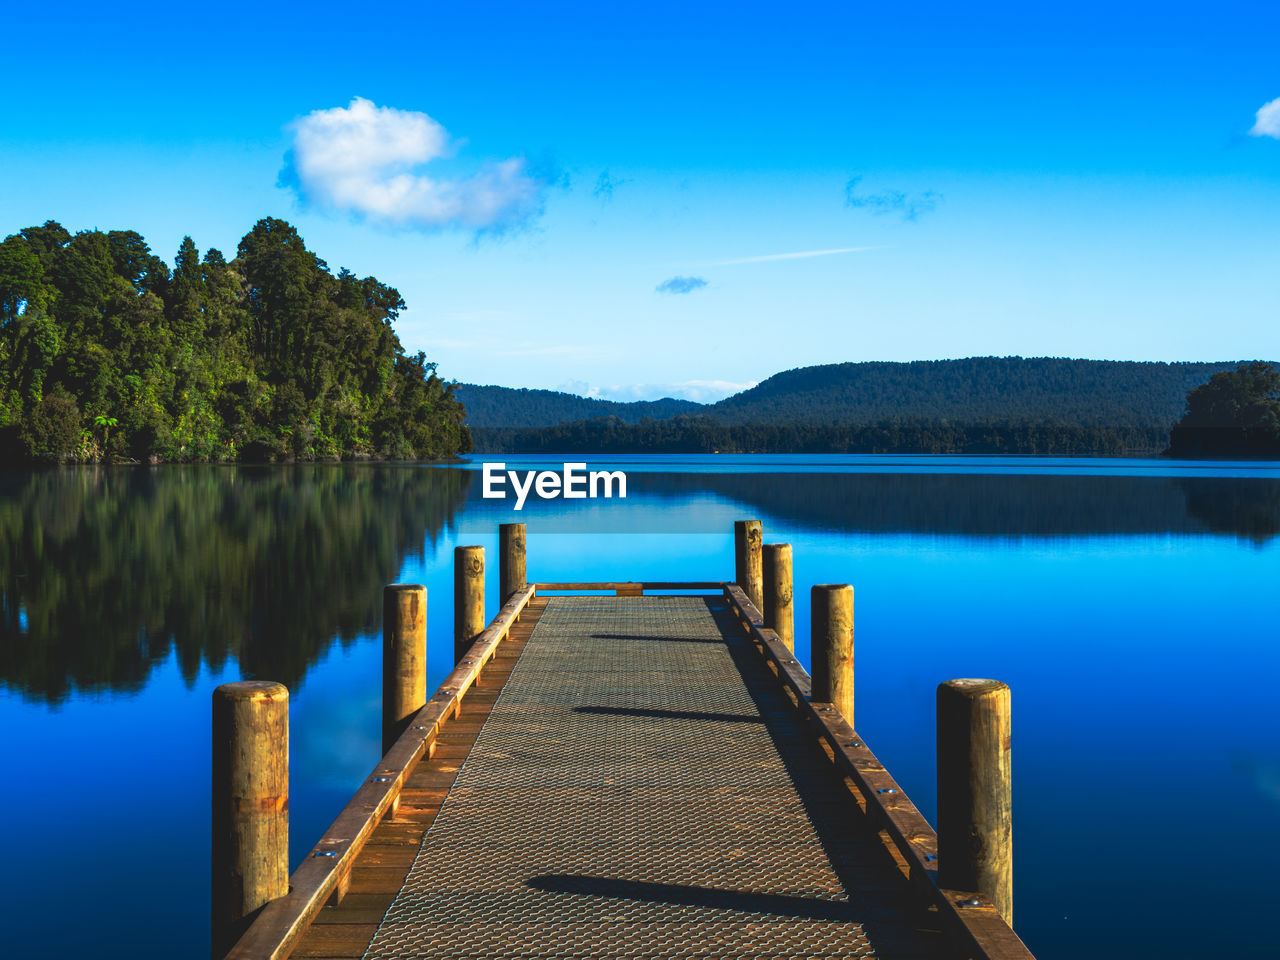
<point x="1237" y="413"/>
<point x="51" y="433"/>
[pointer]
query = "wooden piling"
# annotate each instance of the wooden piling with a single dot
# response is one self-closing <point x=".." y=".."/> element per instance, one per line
<point x="250" y="809"/>
<point x="511" y="559"/>
<point x="468" y="598"/>
<point x="831" y="650"/>
<point x="404" y="657"/>
<point x="778" y="593"/>
<point x="975" y="834"/>
<point x="748" y="572"/>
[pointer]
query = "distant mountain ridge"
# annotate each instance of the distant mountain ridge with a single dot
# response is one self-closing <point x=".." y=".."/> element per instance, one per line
<point x="1087" y="393"/>
<point x="1110" y="393"/>
<point x="493" y="406"/>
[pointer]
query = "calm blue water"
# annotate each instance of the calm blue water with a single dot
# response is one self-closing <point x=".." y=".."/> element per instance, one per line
<point x="1129" y="604"/>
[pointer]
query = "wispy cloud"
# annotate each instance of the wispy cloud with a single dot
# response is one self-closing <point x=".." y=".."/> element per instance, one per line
<point x="800" y="255"/>
<point x="368" y="160"/>
<point x="606" y="184"/>
<point x="908" y="206"/>
<point x="1267" y="120"/>
<point x="681" y="285"/>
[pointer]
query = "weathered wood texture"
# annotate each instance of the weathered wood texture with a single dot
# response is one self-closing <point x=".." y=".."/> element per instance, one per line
<point x="468" y="598"/>
<point x="404" y="657"/>
<point x="512" y="574"/>
<point x="779" y="612"/>
<point x="632" y="585"/>
<point x="748" y="538"/>
<point x="250" y="855"/>
<point x="343" y="930"/>
<point x="831" y="639"/>
<point x="973" y="920"/>
<point x="975" y="834"/>
<point x="326" y="870"/>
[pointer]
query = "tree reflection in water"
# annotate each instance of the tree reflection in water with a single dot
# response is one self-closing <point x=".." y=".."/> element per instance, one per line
<point x="105" y="571"/>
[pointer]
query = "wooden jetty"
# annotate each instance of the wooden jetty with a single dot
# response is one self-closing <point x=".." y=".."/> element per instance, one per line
<point x="620" y="770"/>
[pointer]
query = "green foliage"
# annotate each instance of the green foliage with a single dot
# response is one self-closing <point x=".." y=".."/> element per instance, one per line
<point x="269" y="356"/>
<point x="51" y="432"/>
<point x="1237" y="413"/>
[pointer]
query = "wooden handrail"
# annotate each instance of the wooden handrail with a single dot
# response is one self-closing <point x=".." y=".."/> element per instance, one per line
<point x="275" y="931"/>
<point x="979" y="928"/>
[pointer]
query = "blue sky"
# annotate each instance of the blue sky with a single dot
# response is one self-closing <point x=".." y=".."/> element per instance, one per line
<point x="597" y="198"/>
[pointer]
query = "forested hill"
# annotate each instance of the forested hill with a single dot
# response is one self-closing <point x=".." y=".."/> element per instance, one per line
<point x="108" y="354"/>
<point x="976" y="405"/>
<point x="1088" y="393"/>
<point x="490" y="406"/>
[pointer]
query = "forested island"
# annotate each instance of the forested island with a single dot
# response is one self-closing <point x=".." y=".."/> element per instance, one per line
<point x="107" y="354"/>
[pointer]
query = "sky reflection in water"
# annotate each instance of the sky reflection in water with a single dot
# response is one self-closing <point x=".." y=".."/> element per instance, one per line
<point x="1128" y="604"/>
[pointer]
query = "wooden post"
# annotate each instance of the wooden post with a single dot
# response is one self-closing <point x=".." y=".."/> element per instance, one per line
<point x="831" y="650"/>
<point x="778" y="594"/>
<point x="468" y="598"/>
<point x="404" y="657"/>
<point x="748" y="574"/>
<point x="250" y="805"/>
<point x="511" y="560"/>
<point x="975" y="831"/>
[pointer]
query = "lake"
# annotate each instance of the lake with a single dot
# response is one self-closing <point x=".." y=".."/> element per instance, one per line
<point x="1130" y="604"/>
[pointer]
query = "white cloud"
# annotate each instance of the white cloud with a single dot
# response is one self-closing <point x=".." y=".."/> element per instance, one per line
<point x="1267" y="120"/>
<point x="801" y="255"/>
<point x="368" y="160"/>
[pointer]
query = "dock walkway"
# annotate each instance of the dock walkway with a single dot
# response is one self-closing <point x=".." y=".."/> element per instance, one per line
<point x="626" y="776"/>
<point x="642" y="788"/>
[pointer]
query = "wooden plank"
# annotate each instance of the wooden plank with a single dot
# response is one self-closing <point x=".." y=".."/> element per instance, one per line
<point x="616" y="585"/>
<point x="277" y="928"/>
<point x="979" y="928"/>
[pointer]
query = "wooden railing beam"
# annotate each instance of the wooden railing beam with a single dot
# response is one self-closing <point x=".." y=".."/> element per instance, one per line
<point x="972" y="919"/>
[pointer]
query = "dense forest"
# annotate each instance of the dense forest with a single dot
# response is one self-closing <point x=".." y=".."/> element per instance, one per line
<point x="107" y="354"/>
<point x="1237" y="413"/>
<point x="489" y="406"/>
<point x="707" y="435"/>
<point x="994" y="405"/>
<point x="976" y="390"/>
<point x="1086" y="393"/>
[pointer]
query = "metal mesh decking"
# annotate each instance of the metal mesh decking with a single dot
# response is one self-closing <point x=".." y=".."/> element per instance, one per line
<point x="641" y="790"/>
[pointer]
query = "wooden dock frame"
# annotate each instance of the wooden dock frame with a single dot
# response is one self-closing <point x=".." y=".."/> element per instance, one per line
<point x="972" y="920"/>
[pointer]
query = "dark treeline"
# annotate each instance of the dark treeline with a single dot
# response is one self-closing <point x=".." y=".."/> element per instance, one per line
<point x="1237" y="413"/>
<point x="104" y="573"/>
<point x="707" y="435"/>
<point x="490" y="406"/>
<point x="106" y="354"/>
